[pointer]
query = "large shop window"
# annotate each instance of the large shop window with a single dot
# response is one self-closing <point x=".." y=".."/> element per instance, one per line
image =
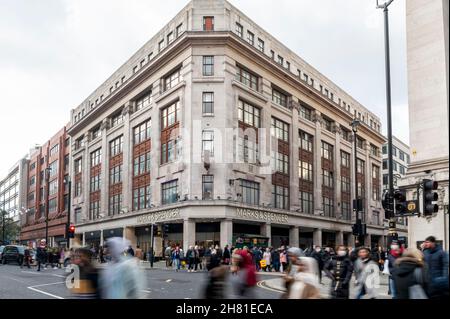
<point x="250" y="192"/>
<point x="169" y="192"/>
<point x="280" y="196"/>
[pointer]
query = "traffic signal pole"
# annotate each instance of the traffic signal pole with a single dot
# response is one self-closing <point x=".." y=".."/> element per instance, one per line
<point x="392" y="221"/>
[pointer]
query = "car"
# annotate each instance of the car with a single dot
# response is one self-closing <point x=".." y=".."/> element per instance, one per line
<point x="13" y="253"/>
<point x="1" y="251"/>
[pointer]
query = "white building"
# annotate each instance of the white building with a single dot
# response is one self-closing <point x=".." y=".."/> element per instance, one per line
<point x="13" y="190"/>
<point x="428" y="81"/>
<point x="401" y="157"/>
<point x="220" y="131"/>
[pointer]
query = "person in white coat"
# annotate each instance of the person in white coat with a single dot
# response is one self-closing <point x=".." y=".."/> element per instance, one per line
<point x="122" y="278"/>
<point x="306" y="281"/>
<point x="267" y="256"/>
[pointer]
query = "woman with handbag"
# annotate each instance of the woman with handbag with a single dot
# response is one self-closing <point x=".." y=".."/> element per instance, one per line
<point x="410" y="275"/>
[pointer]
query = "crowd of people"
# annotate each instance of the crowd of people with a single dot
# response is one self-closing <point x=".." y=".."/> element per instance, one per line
<point x="412" y="273"/>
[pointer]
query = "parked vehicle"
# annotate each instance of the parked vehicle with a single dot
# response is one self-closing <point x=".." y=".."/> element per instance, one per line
<point x="1" y="251"/>
<point x="13" y="253"/>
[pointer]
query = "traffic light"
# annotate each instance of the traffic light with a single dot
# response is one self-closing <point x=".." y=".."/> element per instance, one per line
<point x="359" y="229"/>
<point x="387" y="204"/>
<point x="430" y="196"/>
<point x="71" y="231"/>
<point x="358" y="205"/>
<point x="355" y="229"/>
<point x="166" y="228"/>
<point x="401" y="207"/>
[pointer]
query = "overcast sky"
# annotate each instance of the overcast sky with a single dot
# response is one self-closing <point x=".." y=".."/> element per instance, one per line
<point x="54" y="53"/>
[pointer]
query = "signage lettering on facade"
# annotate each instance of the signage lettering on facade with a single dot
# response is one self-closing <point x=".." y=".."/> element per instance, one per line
<point x="159" y="216"/>
<point x="262" y="215"/>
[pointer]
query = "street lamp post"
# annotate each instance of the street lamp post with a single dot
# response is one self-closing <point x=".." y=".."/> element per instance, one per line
<point x="68" y="182"/>
<point x="354" y="126"/>
<point x="47" y="176"/>
<point x="392" y="222"/>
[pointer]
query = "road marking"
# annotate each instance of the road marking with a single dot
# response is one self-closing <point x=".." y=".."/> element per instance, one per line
<point x="23" y="282"/>
<point x="147" y="291"/>
<point x="53" y="283"/>
<point x="61" y="276"/>
<point x="44" y="292"/>
<point x="168" y="280"/>
<point x="261" y="285"/>
<point x="31" y="272"/>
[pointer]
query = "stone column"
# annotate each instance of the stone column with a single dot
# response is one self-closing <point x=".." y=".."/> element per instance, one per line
<point x="340" y="238"/>
<point x="293" y="160"/>
<point x="337" y="170"/>
<point x="318" y="165"/>
<point x="101" y="238"/>
<point x="188" y="234"/>
<point x="368" y="183"/>
<point x="317" y="237"/>
<point x="368" y="240"/>
<point x="381" y="241"/>
<point x="127" y="167"/>
<point x="294" y="235"/>
<point x="226" y="232"/>
<point x="129" y="234"/>
<point x="352" y="178"/>
<point x="104" y="177"/>
<point x="266" y="231"/>
<point x="351" y="240"/>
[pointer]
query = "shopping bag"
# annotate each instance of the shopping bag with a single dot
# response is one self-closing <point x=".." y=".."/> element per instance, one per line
<point x="386" y="268"/>
<point x="263" y="263"/>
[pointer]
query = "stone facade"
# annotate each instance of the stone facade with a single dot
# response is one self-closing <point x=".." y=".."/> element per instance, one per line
<point x="427" y="49"/>
<point x="244" y="75"/>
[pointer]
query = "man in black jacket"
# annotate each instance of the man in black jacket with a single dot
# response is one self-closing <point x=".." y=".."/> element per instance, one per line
<point x="340" y="269"/>
<point x="437" y="262"/>
<point x="318" y="256"/>
<point x="41" y="254"/>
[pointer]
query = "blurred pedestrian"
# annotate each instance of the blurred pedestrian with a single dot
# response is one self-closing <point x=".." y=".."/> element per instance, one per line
<point x="306" y="280"/>
<point x="437" y="262"/>
<point x="85" y="284"/>
<point x="26" y="258"/>
<point x="138" y="253"/>
<point x="366" y="270"/>
<point x="226" y="255"/>
<point x="318" y="256"/>
<point x="257" y="256"/>
<point x="190" y="255"/>
<point x="275" y="257"/>
<point x="41" y="254"/>
<point x="291" y="269"/>
<point x="130" y="251"/>
<point x="283" y="260"/>
<point x="410" y="276"/>
<point x="244" y="274"/>
<point x="122" y="278"/>
<point x="168" y="256"/>
<point x="393" y="255"/>
<point x="340" y="270"/>
<point x="176" y="258"/>
<point x="101" y="254"/>
<point x="267" y="256"/>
